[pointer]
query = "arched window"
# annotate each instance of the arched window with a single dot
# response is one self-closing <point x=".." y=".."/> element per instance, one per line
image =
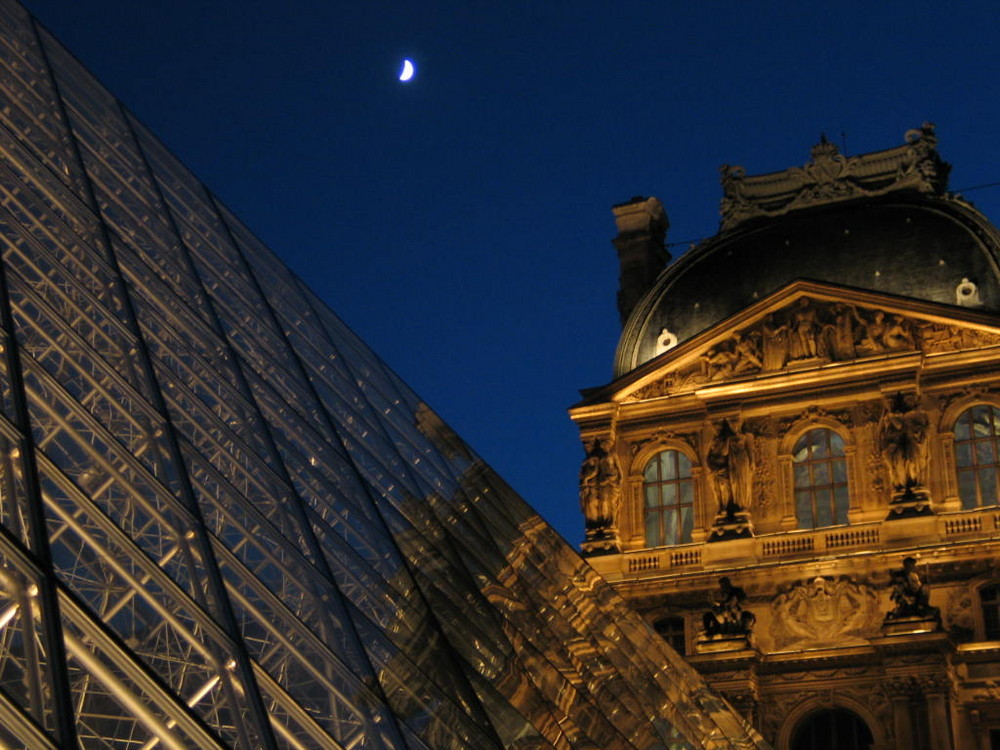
<point x="669" y="499"/>
<point x="832" y="729"/>
<point x="977" y="455"/>
<point x="820" y="479"/>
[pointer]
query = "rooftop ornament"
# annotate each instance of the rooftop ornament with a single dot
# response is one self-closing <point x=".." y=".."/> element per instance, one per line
<point x="832" y="177"/>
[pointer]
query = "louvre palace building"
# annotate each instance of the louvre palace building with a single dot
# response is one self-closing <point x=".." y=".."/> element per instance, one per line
<point x="225" y="523"/>
<point x="793" y="477"/>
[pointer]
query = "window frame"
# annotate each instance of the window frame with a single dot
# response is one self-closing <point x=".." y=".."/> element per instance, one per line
<point x="974" y="467"/>
<point x="838" y="513"/>
<point x="663" y="509"/>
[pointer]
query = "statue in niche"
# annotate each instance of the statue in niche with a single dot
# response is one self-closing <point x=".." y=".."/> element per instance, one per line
<point x="747" y="357"/>
<point x="731" y="466"/>
<point x="775" y="343"/>
<point x="727" y="616"/>
<point x="902" y="438"/>
<point x="910" y="594"/>
<point x="805" y="330"/>
<point x="600" y="486"/>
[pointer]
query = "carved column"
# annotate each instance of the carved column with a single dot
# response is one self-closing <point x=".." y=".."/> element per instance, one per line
<point x="936" y="690"/>
<point x="949" y="483"/>
<point x="855" y="512"/>
<point x="937" y="719"/>
<point x="789" y="520"/>
<point x="702" y="504"/>
<point x="633" y="526"/>
<point x="901" y="722"/>
<point x="900" y="689"/>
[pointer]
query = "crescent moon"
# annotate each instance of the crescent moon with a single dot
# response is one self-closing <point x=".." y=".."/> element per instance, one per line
<point x="407" y="72"/>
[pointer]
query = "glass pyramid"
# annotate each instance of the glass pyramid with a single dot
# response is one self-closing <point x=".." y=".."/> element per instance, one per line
<point x="225" y="523"/>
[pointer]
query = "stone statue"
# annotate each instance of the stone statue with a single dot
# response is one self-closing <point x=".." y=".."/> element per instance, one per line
<point x="731" y="466"/>
<point x="718" y="363"/>
<point x="805" y="331"/>
<point x="842" y="338"/>
<point x="727" y="616"/>
<point x="775" y="343"/>
<point x="873" y="336"/>
<point x="910" y="595"/>
<point x="902" y="440"/>
<point x="897" y="336"/>
<point x="747" y="357"/>
<point x="600" y="486"/>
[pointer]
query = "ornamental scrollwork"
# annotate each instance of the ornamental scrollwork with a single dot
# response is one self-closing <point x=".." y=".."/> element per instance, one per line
<point x="824" y="611"/>
<point x="664" y="437"/>
<point x="810" y="414"/>
<point x="830" y="177"/>
<point x="968" y="393"/>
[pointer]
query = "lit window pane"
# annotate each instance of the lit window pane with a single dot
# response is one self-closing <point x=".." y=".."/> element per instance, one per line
<point x="824" y="507"/>
<point x="687" y="493"/>
<point x="653" y="538"/>
<point x="803" y="508"/>
<point x="988" y="486"/>
<point x="961" y="430"/>
<point x="669" y="464"/>
<point x="841" y="503"/>
<point x="687" y="521"/>
<point x="967" y="489"/>
<point x="652" y="496"/>
<point x="821" y="474"/>
<point x="670" y="528"/>
<point x="801" y="471"/>
<point x="963" y="454"/>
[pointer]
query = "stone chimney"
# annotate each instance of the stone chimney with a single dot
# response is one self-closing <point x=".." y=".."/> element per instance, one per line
<point x="642" y="254"/>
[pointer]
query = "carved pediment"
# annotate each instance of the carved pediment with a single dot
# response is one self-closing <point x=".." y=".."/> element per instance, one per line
<point x="803" y="331"/>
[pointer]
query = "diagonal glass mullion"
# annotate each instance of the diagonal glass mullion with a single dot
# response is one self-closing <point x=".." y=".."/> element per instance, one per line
<point x="203" y="656"/>
<point x="38" y="123"/>
<point x="142" y="698"/>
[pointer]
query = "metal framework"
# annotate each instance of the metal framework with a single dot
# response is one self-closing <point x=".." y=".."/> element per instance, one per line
<point x="224" y="523"/>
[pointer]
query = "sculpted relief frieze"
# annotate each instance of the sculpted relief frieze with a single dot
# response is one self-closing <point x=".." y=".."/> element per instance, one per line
<point x="814" y="332"/>
<point x="824" y="612"/>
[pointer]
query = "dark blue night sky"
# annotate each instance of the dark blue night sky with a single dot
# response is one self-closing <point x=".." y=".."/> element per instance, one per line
<point x="460" y="223"/>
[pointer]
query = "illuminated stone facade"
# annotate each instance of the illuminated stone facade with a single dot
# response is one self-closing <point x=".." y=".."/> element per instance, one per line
<point x="224" y="522"/>
<point x="808" y="407"/>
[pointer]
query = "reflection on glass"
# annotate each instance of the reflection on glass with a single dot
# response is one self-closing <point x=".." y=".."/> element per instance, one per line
<point x="249" y="532"/>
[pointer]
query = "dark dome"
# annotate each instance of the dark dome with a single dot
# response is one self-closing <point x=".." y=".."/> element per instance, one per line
<point x="908" y="244"/>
